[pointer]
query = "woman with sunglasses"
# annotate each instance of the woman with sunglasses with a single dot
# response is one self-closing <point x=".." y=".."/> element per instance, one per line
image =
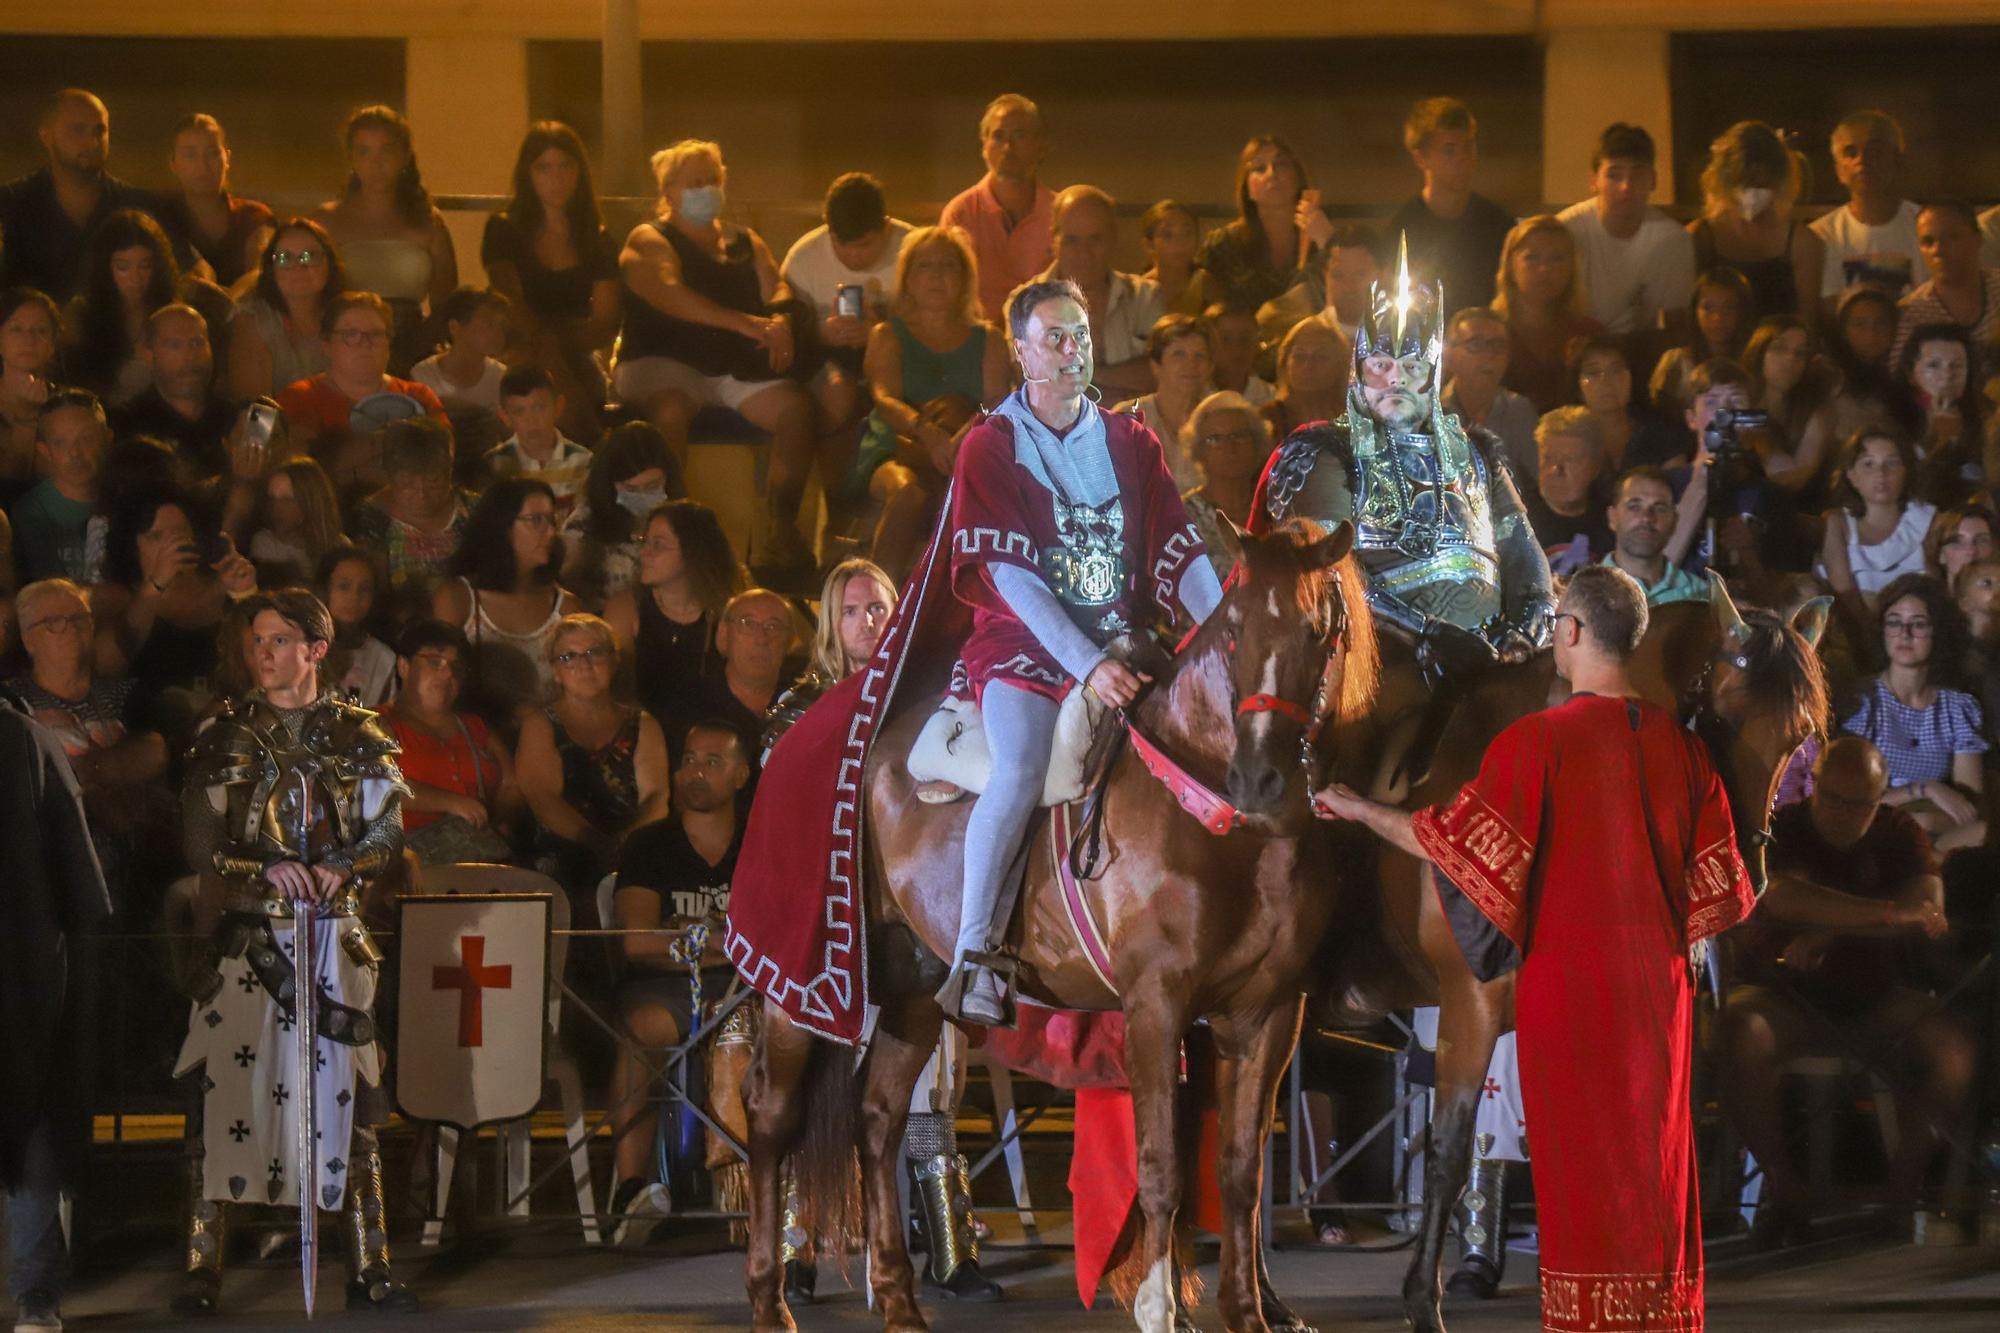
<point x="592" y="767"/>
<point x="275" y="337"/>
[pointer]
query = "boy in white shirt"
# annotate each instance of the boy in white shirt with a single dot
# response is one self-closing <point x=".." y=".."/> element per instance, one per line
<point x="530" y="406"/>
<point x="1636" y="262"/>
<point x="856" y="247"/>
<point x="466" y="374"/>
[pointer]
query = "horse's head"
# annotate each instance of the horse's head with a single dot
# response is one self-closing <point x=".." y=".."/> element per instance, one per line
<point x="1300" y="654"/>
<point x="1764" y="693"/>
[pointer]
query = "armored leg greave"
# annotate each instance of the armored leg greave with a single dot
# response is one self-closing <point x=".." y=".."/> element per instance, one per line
<point x="1482" y="1229"/>
<point x="944" y="1192"/>
<point x="367" y="1220"/>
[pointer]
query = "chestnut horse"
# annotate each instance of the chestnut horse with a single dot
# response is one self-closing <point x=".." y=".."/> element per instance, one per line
<point x="1754" y="691"/>
<point x="1198" y="925"/>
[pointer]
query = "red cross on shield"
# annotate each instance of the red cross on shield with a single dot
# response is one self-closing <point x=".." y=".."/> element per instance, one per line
<point x="471" y="981"/>
<point x="471" y="1026"/>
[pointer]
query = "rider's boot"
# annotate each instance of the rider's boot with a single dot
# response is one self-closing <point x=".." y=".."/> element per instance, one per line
<point x="1482" y="1219"/>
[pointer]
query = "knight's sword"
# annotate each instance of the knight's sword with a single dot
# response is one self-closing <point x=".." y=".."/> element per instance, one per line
<point x="305" y="1010"/>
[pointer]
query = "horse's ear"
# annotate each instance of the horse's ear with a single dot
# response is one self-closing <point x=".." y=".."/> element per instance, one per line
<point x="1810" y="620"/>
<point x="1727" y="618"/>
<point x="1332" y="548"/>
<point x="1229" y="526"/>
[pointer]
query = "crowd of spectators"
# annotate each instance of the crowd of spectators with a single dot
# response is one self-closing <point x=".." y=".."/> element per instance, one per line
<point x="200" y="397"/>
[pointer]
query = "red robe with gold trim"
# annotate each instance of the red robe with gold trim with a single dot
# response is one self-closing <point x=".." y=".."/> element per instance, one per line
<point x="1592" y="850"/>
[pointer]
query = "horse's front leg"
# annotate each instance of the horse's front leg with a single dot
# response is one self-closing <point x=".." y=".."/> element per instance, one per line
<point x="1155" y="1017"/>
<point x="774" y="1097"/>
<point x="1253" y="1053"/>
<point x="1469" y="1022"/>
<point x="904" y="1036"/>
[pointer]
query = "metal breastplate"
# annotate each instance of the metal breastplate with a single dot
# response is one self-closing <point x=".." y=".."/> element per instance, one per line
<point x="286" y="796"/>
<point x="1086" y="570"/>
<point x="1421" y="506"/>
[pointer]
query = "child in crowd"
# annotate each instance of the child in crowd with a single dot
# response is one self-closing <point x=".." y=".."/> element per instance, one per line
<point x="466" y="374"/>
<point x="530" y="408"/>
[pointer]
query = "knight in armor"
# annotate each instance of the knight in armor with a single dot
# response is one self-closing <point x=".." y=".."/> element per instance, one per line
<point x="1067" y="532"/>
<point x="854" y="608"/>
<point x="292" y="801"/>
<point x="1452" y="563"/>
<point x="1440" y="529"/>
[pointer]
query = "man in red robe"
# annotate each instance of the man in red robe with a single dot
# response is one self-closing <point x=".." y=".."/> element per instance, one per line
<point x="1592" y="851"/>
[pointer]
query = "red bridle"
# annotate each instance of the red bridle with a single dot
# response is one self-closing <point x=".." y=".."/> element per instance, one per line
<point x="1210" y="808"/>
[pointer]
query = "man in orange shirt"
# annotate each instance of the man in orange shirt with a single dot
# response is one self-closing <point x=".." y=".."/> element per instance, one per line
<point x="1007" y="216"/>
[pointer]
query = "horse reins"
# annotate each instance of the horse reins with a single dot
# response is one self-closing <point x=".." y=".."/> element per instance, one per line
<point x="1210" y="808"/>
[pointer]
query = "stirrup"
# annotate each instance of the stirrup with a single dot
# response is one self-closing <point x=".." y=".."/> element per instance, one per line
<point x="1002" y="967"/>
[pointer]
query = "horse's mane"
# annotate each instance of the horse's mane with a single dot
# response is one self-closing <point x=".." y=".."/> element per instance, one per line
<point x="1783" y="674"/>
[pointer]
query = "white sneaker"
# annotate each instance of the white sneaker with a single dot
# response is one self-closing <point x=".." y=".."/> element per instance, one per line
<point x="651" y="1204"/>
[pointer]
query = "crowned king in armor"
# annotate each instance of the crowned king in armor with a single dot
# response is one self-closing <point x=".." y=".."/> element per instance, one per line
<point x="1440" y="529"/>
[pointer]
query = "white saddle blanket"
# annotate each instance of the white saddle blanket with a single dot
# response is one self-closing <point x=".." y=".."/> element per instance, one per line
<point x="952" y="747"/>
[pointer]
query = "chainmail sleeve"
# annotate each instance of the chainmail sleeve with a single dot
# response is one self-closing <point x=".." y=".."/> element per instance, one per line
<point x="380" y="845"/>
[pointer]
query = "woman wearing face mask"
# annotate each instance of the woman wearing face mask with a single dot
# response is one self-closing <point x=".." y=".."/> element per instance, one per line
<point x="632" y="473"/>
<point x="686" y="575"/>
<point x="1749" y="188"/>
<point x="394" y="241"/>
<point x="708" y="323"/>
<point x="1940" y="374"/>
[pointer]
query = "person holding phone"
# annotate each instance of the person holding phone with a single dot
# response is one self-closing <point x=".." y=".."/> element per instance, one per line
<point x="168" y="581"/>
<point x="845" y="270"/>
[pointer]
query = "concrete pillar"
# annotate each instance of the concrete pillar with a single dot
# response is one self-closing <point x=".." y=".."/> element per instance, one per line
<point x="468" y="101"/>
<point x="622" y="168"/>
<point x="1592" y="77"/>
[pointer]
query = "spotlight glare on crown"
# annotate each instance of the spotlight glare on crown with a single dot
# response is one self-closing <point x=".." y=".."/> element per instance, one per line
<point x="1410" y="323"/>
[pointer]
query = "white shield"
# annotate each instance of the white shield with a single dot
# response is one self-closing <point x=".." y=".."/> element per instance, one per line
<point x="472" y="1007"/>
